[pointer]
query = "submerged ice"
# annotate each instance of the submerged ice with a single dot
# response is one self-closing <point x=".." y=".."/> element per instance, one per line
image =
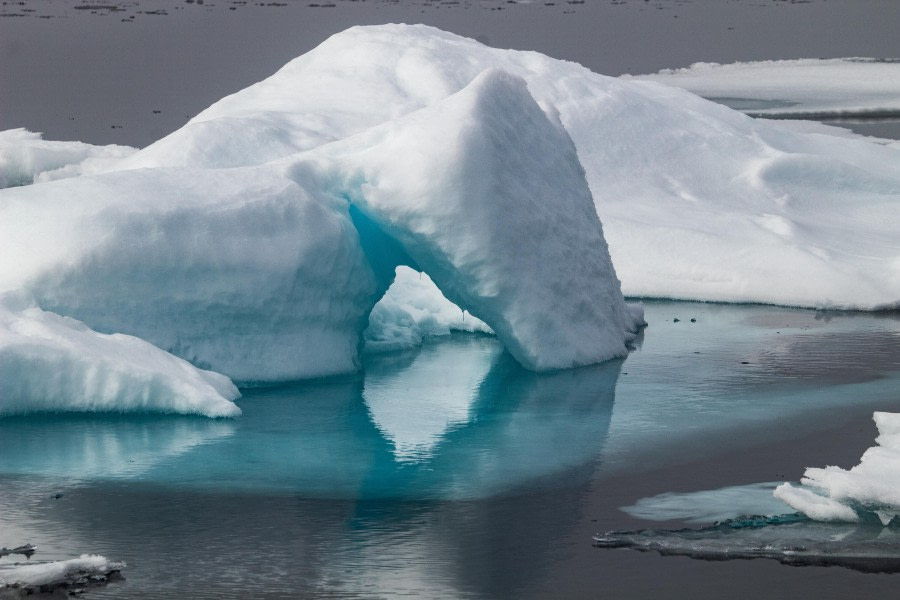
<point x="258" y="240"/>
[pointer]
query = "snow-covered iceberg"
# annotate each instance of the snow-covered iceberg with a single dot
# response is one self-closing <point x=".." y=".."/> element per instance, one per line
<point x="698" y="201"/>
<point x="256" y="240"/>
<point x="269" y="272"/>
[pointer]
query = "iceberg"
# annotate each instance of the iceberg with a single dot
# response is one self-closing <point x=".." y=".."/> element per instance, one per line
<point x="698" y="201"/>
<point x="258" y="240"/>
<point x="269" y="272"/>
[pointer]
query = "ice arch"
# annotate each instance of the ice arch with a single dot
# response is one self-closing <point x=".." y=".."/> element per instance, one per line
<point x="268" y="273"/>
<point x="485" y="193"/>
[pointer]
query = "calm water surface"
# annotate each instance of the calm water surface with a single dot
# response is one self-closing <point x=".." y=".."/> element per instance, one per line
<point x="451" y="472"/>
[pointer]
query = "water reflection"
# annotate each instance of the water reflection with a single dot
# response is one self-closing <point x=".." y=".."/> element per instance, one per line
<point x="105" y="446"/>
<point x="407" y="478"/>
<point x="413" y="429"/>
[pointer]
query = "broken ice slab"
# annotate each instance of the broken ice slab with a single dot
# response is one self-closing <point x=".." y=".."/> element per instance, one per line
<point x="67" y="576"/>
<point x="790" y="539"/>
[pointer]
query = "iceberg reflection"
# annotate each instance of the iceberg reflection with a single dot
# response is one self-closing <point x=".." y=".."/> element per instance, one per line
<point x="101" y="446"/>
<point x="409" y="428"/>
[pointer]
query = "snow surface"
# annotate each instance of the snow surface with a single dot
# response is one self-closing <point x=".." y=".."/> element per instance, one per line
<point x="57" y="573"/>
<point x="26" y="158"/>
<point x="698" y="201"/>
<point x="833" y="493"/>
<point x="804" y="88"/>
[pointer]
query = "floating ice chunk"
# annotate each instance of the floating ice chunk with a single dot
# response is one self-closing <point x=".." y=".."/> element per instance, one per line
<point x="804" y="88"/>
<point x="47" y="577"/>
<point x="813" y="505"/>
<point x="789" y="539"/>
<point x="54" y="363"/>
<point x="25" y="158"/>
<point x="872" y="485"/>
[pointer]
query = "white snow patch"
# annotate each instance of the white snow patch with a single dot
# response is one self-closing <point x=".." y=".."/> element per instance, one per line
<point x="27" y="158"/>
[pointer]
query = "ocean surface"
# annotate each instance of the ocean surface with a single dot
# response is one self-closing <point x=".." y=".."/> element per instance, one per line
<point x="449" y="471"/>
<point x="452" y="472"/>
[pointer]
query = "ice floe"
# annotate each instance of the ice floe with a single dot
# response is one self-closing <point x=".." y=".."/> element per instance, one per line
<point x="65" y="576"/>
<point x="790" y="539"/>
<point x="801" y="89"/>
<point x="836" y="494"/>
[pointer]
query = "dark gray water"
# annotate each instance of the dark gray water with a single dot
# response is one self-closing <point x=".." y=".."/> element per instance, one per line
<point x="133" y="75"/>
<point x="480" y="480"/>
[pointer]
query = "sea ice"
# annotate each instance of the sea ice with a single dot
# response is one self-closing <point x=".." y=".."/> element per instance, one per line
<point x="789" y="539"/>
<point x="48" y="577"/>
<point x="709" y="506"/>
<point x="833" y="493"/>
<point x="800" y="89"/>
